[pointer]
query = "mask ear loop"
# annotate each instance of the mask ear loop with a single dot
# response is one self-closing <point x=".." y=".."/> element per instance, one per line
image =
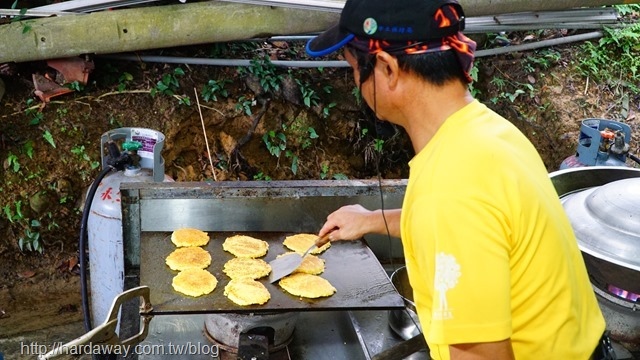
<point x="368" y="69"/>
<point x="379" y="177"/>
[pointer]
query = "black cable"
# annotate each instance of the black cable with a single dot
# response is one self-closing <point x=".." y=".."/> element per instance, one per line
<point x="82" y="247"/>
<point x="634" y="158"/>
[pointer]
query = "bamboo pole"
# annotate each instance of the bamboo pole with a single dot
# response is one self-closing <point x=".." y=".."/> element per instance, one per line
<point x="155" y="27"/>
<point x="152" y="27"/>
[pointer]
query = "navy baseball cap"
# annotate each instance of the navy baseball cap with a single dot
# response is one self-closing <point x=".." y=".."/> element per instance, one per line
<point x="389" y="20"/>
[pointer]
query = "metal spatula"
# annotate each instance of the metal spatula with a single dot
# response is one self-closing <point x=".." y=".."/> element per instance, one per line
<point x="285" y="265"/>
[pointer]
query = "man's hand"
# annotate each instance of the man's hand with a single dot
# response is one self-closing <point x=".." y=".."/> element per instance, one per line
<point x="352" y="222"/>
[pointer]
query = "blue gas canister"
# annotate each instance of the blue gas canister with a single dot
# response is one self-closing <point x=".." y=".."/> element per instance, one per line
<point x="601" y="143"/>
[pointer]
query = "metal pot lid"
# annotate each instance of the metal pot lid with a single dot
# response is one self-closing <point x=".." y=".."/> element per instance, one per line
<point x="606" y="221"/>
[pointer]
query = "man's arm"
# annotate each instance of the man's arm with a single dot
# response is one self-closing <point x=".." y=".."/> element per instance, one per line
<point x="351" y="222"/>
<point x="499" y="350"/>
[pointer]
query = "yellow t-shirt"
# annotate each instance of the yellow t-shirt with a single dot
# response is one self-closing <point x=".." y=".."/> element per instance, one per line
<point x="490" y="252"/>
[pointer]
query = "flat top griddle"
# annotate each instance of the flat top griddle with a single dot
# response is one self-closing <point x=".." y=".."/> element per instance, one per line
<point x="350" y="266"/>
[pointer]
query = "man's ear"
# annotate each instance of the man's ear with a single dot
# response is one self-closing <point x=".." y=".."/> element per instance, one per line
<point x="388" y="67"/>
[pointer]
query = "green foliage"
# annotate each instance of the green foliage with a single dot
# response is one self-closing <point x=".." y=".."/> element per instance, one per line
<point x="312" y="135"/>
<point x="264" y="70"/>
<point x="214" y="88"/>
<point x="10" y="214"/>
<point x="28" y="148"/>
<point x="31" y="239"/>
<point x="628" y="10"/>
<point x="34" y="113"/>
<point x="170" y="85"/>
<point x="325" y="169"/>
<point x="80" y="151"/>
<point x="75" y="86"/>
<point x="49" y="138"/>
<point x="356" y="94"/>
<point x="543" y="59"/>
<point x="309" y="96"/>
<point x="474" y="76"/>
<point x="378" y="144"/>
<point x="510" y="90"/>
<point x="244" y="104"/>
<point x="261" y="177"/>
<point x="294" y="161"/>
<point x="26" y="25"/>
<point x="124" y="80"/>
<point x="12" y="163"/>
<point x="276" y="142"/>
<point x="615" y="59"/>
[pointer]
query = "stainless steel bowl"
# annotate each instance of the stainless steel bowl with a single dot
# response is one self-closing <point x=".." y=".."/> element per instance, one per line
<point x="404" y="322"/>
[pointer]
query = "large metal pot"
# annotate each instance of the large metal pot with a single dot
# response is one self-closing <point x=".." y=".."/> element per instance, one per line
<point x="404" y="322"/>
<point x="603" y="205"/>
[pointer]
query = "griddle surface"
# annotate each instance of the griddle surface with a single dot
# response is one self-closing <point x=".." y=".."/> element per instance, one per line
<point x="350" y="266"/>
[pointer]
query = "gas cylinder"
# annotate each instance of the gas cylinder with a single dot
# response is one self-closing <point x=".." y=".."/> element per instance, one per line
<point x="104" y="224"/>
<point x="601" y="143"/>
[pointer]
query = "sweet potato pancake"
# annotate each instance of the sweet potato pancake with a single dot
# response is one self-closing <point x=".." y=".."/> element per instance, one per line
<point x="307" y="285"/>
<point x="194" y="282"/>
<point x="301" y="242"/>
<point x="246" y="291"/>
<point x="311" y="264"/>
<point x="237" y="268"/>
<point x="189" y="237"/>
<point x="188" y="257"/>
<point x="245" y="246"/>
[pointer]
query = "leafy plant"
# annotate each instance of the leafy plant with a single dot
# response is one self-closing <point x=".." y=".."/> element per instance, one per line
<point x="261" y="176"/>
<point x="12" y="163"/>
<point x="33" y="113"/>
<point x="294" y="161"/>
<point x="615" y="59"/>
<point x="28" y="148"/>
<point x="75" y="86"/>
<point x="312" y="135"/>
<point x="275" y="142"/>
<point x="244" y="104"/>
<point x="26" y="25"/>
<point x="168" y="84"/>
<point x="327" y="109"/>
<point x="543" y="59"/>
<point x="324" y="170"/>
<point x="124" y="80"/>
<point x="357" y="95"/>
<point x="378" y="145"/>
<point x="264" y="70"/>
<point x="510" y="91"/>
<point x="49" y="138"/>
<point x="81" y="152"/>
<point x="31" y="239"/>
<point x="309" y="96"/>
<point x="9" y="213"/>
<point x="213" y="88"/>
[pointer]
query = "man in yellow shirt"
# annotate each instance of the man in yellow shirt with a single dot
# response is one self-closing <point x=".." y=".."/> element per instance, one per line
<point x="491" y="256"/>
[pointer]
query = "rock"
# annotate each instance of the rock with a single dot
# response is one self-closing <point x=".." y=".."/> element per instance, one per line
<point x="40" y="202"/>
